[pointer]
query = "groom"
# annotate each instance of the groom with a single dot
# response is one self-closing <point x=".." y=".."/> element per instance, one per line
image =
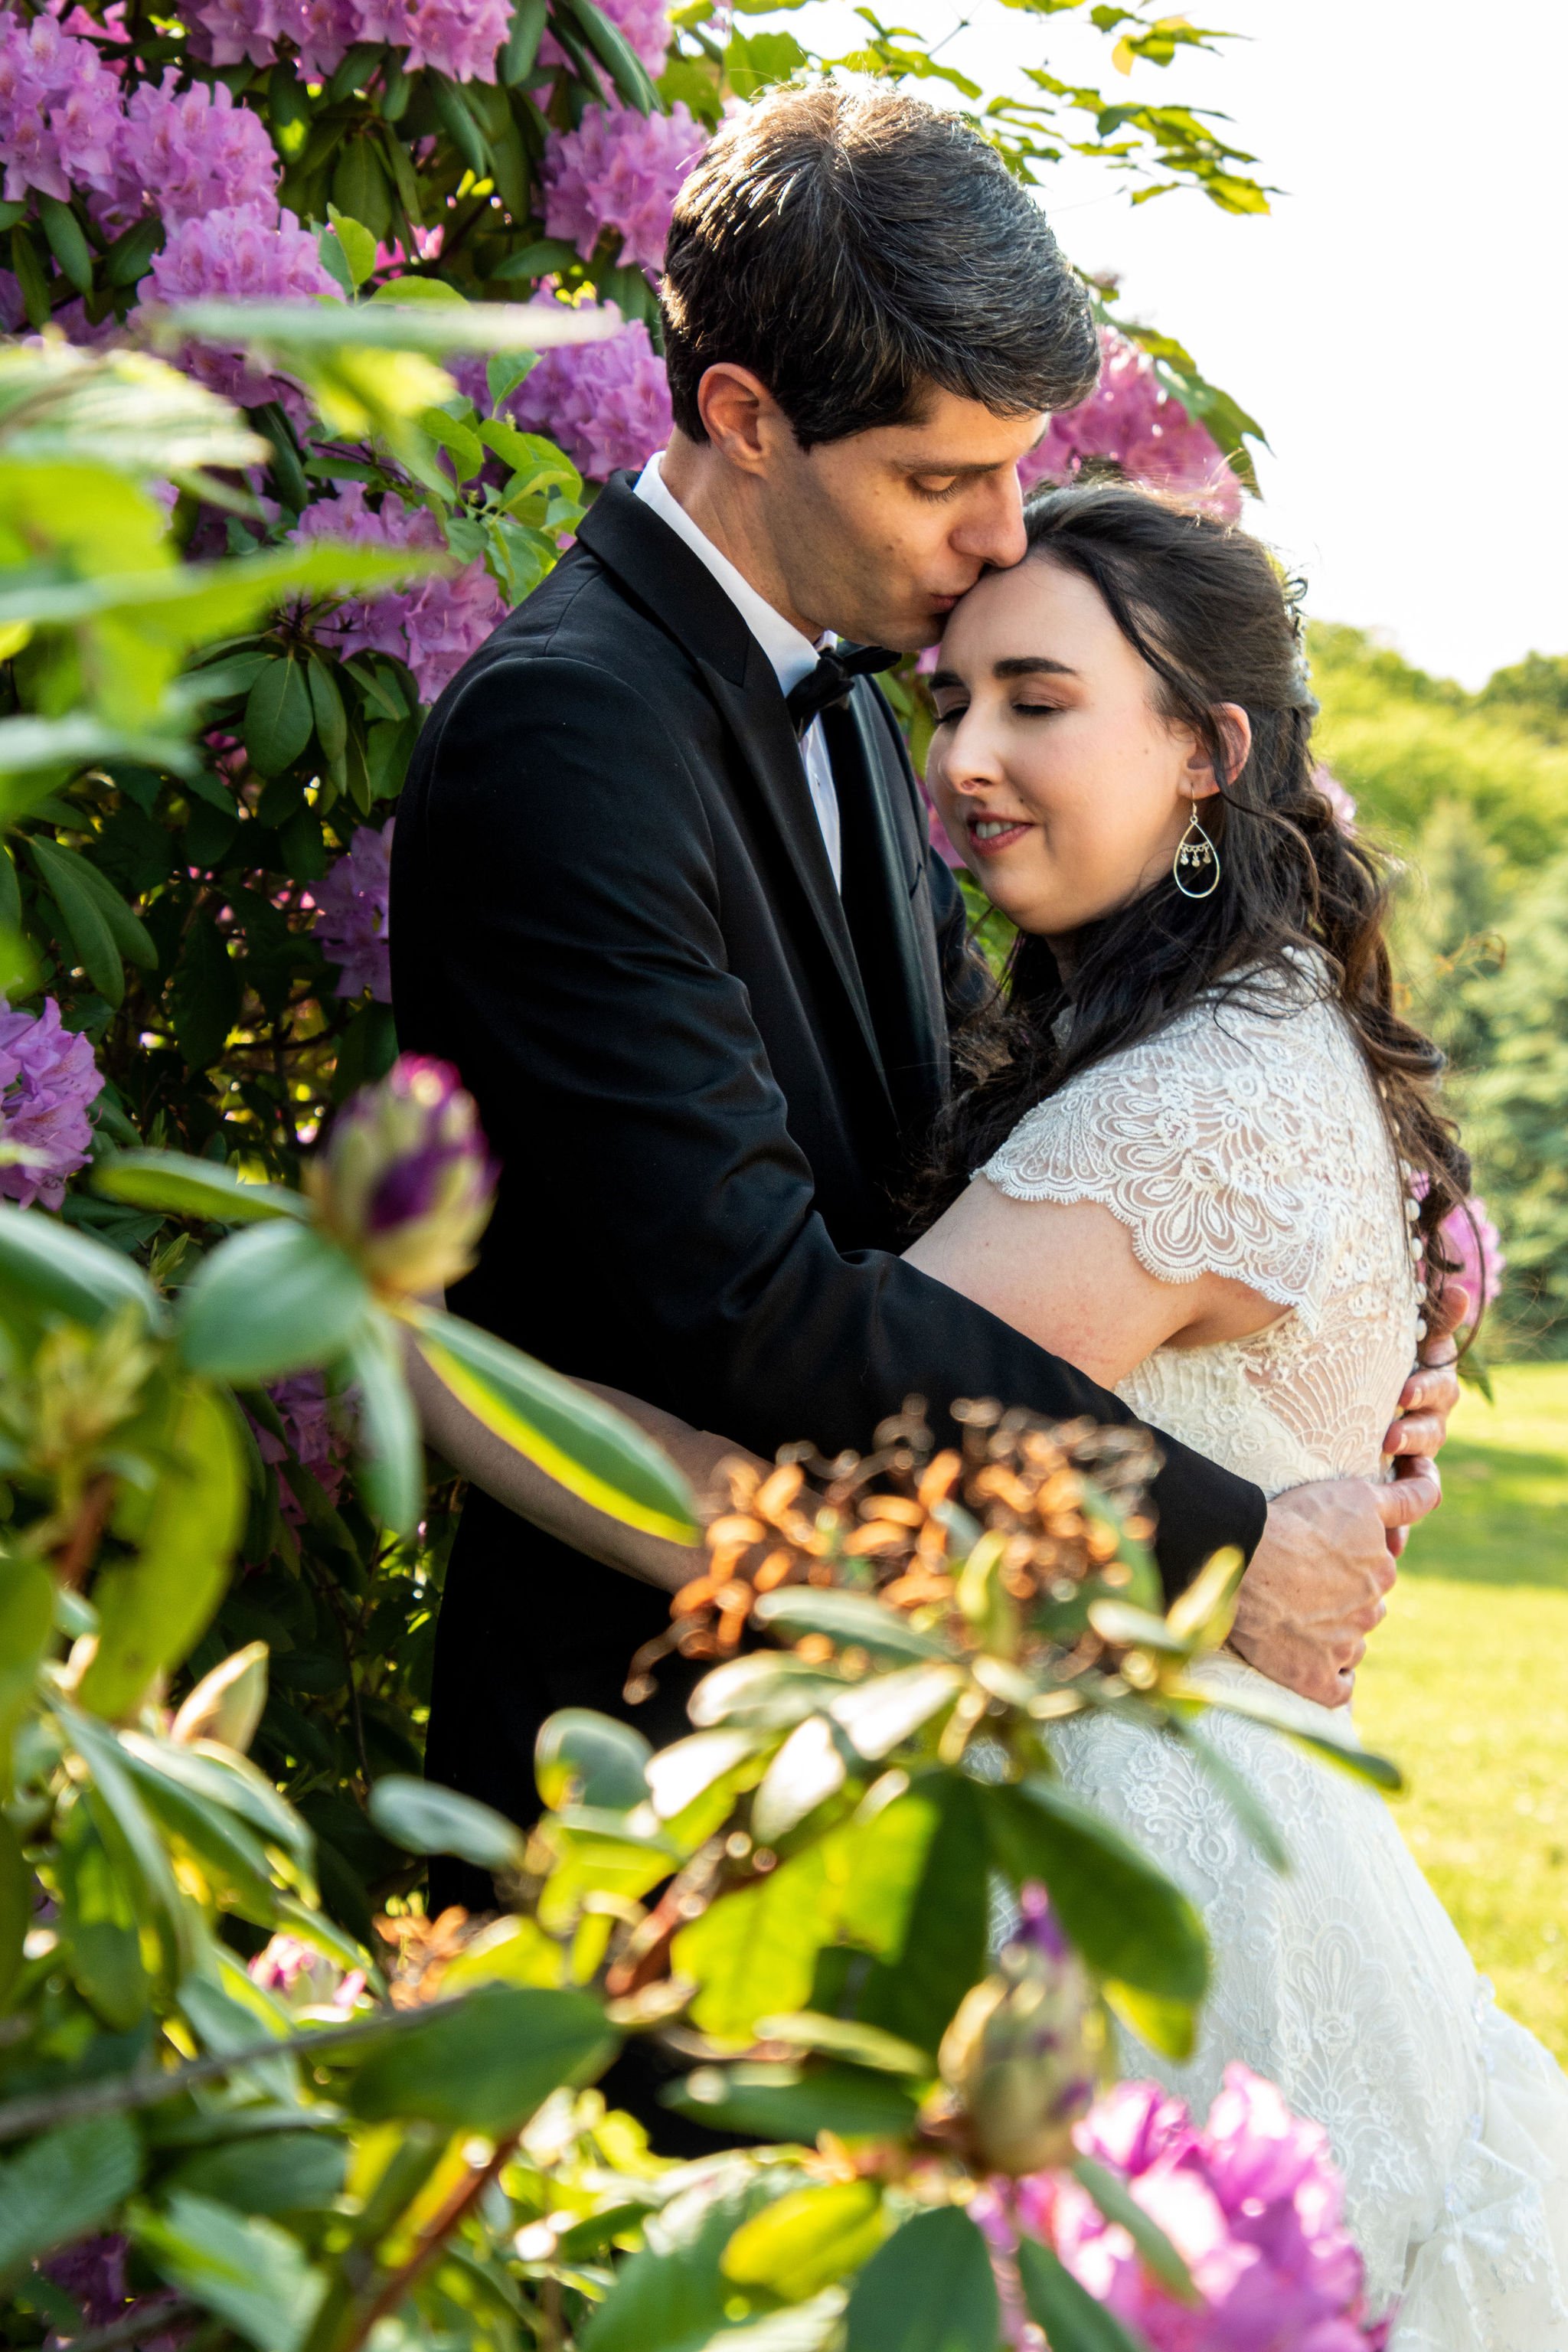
<point x="662" y="890"/>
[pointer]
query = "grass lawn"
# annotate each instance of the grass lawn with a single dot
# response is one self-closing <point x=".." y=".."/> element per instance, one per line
<point x="1467" y="1685"/>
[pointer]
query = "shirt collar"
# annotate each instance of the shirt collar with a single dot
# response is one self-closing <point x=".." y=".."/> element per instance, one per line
<point x="791" y="655"/>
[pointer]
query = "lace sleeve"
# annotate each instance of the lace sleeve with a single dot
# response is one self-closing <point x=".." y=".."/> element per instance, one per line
<point x="1227" y="1145"/>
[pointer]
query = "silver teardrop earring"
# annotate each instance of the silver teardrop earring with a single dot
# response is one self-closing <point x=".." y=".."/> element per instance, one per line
<point x="1199" y="858"/>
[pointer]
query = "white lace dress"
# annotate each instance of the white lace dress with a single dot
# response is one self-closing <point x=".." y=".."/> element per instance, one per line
<point x="1246" y="1141"/>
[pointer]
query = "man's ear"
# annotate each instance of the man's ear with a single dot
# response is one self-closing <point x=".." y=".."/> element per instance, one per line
<point x="739" y="415"/>
<point x="1235" y="727"/>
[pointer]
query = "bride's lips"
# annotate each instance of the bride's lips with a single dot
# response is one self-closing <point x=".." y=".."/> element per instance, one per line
<point x="993" y="845"/>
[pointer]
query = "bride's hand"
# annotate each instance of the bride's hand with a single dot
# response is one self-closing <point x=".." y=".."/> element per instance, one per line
<point x="1315" y="1587"/>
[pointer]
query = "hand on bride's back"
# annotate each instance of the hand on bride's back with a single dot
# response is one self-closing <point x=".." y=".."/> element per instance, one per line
<point x="1316" y="1586"/>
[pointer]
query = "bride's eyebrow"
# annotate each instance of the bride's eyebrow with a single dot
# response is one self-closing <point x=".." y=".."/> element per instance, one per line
<point x="1031" y="666"/>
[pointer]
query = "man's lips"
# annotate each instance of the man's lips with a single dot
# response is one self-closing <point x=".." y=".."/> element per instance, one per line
<point x="993" y="845"/>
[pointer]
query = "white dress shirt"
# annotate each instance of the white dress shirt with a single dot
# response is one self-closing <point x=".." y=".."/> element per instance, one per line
<point x="793" y="655"/>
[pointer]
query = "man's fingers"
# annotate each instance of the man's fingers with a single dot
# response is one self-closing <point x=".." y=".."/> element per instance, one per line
<point x="1453" y="1307"/>
<point x="1410" y="1497"/>
<point x="1431" y="1388"/>
<point x="1416" y="1433"/>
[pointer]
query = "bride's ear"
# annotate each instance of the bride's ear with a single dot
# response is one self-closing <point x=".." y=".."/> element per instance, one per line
<point x="1235" y="734"/>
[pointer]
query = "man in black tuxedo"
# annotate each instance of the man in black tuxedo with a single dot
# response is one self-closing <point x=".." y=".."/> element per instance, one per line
<point x="662" y="890"/>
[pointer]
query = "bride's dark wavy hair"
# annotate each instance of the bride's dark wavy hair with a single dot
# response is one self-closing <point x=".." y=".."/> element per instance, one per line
<point x="1204" y="605"/>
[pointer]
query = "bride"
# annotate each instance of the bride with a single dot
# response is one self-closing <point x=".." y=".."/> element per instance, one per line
<point x="1199" y="1157"/>
<point x="1210" y="1172"/>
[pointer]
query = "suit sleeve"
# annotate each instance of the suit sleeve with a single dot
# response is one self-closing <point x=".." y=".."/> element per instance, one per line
<point x="613" y="1055"/>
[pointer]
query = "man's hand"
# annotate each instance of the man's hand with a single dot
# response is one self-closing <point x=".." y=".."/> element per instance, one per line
<point x="1427" y="1398"/>
<point x="1315" y="1587"/>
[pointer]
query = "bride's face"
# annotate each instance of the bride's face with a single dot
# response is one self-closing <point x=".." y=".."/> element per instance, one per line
<point x="1061" y="784"/>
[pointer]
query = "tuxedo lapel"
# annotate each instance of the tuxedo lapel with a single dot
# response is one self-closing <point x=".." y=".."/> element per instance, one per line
<point x="681" y="594"/>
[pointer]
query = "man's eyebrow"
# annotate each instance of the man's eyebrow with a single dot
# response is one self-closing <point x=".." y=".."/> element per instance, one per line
<point x="1031" y="666"/>
<point x="912" y="467"/>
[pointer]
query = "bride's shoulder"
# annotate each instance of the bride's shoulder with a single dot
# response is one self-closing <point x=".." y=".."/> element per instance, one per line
<point x="1235" y="1138"/>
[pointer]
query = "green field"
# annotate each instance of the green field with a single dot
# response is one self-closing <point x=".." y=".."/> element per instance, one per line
<point x="1466" y="1685"/>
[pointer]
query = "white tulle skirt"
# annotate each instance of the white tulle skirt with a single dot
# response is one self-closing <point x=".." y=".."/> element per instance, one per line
<point x="1344" y="1982"/>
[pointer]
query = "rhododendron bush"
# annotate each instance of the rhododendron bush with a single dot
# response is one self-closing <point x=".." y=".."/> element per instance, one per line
<point x="235" y="577"/>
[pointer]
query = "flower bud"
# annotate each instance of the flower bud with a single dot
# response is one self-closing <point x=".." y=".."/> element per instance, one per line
<point x="1022" y="2052"/>
<point x="405" y="1182"/>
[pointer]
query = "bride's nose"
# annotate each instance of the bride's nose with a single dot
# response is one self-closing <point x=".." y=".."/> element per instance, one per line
<point x="970" y="760"/>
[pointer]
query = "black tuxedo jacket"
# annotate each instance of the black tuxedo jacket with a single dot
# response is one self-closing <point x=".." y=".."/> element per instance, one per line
<point x="700" y="1067"/>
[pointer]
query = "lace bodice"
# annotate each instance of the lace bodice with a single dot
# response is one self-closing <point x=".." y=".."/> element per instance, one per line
<point x="1247" y="1140"/>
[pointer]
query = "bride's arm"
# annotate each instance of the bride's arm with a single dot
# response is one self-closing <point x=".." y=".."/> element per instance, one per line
<point x="533" y="1494"/>
<point x="1067" y="1276"/>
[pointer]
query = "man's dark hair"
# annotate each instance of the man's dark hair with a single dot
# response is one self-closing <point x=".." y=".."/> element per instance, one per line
<point x="852" y="248"/>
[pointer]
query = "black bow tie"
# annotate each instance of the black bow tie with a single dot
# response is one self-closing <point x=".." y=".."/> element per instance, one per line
<point x="830" y="681"/>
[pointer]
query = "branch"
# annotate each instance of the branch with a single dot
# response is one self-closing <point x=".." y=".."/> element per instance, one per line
<point x="150" y="2088"/>
<point x="432" y="2242"/>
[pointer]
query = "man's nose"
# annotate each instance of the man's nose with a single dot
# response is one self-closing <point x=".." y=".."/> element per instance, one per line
<point x="994" y="532"/>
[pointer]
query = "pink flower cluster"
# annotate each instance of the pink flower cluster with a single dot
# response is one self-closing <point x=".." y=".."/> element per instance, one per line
<point x="193" y="152"/>
<point x="251" y="251"/>
<point x="1129" y="419"/>
<point x="606" y="405"/>
<point x="432" y="626"/>
<point x="47" y="1078"/>
<point x="1473" y="1242"/>
<point x="642" y="23"/>
<point x="1333" y="792"/>
<point x="619" y="170"/>
<point x="1252" y="2202"/>
<point x="460" y="38"/>
<point x="306" y="1979"/>
<point x="351" y="914"/>
<point x="59" y="110"/>
<point x="313" y="1438"/>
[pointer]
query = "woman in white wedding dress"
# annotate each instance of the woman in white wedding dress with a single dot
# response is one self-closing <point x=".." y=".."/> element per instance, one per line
<point x="1207" y="1168"/>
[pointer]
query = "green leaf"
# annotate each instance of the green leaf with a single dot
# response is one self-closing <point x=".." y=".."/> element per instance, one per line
<point x="64" y="2186"/>
<point x="917" y="1894"/>
<point x="427" y="1818"/>
<point x="277" y="716"/>
<point x="327" y="706"/>
<point x="1127" y="1918"/>
<point x="1251" y="1812"/>
<point x="390" y="1452"/>
<point x="763" y="1691"/>
<point x="250" y="2273"/>
<point x="670" y="2295"/>
<point x="357" y="243"/>
<point x="486" y="2063"/>
<point x="787" y="2102"/>
<point x="122" y="1808"/>
<point x="130" y="258"/>
<point x="434" y="328"/>
<point x="86" y="924"/>
<point x="15" y="1907"/>
<point x="886" y="1709"/>
<point x="1072" y="2319"/>
<point x="1282" y="1712"/>
<point x="583" y="1758"/>
<point x="1154" y="2248"/>
<point x="67" y="243"/>
<point x="807" y="1770"/>
<point x="614" y="53"/>
<point x="152" y="1612"/>
<point x="46" y="1266"/>
<point x="844" y="2037"/>
<point x="588" y="1448"/>
<point x="27" y="1624"/>
<point x="847" y="1618"/>
<point x="273" y="1300"/>
<point x="102" y="1934"/>
<point x="130" y="934"/>
<point x="930" y="2289"/>
<point x="280" y="2172"/>
<point x="806" y="2240"/>
<point x="184" y="1187"/>
<point x="523" y="46"/>
<point x="205" y="992"/>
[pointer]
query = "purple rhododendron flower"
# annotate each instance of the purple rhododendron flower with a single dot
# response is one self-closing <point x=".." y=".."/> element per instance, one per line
<point x="1471" y="1238"/>
<point x="643" y="25"/>
<point x="306" y="1980"/>
<point x="60" y="111"/>
<point x="620" y="170"/>
<point x="1333" y="792"/>
<point x="434" y="624"/>
<point x="606" y="405"/>
<point x="92" y="2273"/>
<point x="1252" y="2202"/>
<point x="406" y="1180"/>
<point x="315" y="1437"/>
<point x="194" y="153"/>
<point x="351" y="914"/>
<point x="236" y="32"/>
<point x="47" y="1078"/>
<point x="1129" y="419"/>
<point x="247" y="250"/>
<point x="461" y="39"/>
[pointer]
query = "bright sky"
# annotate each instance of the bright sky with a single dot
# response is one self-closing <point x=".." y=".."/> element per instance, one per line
<point x="1398" y="323"/>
